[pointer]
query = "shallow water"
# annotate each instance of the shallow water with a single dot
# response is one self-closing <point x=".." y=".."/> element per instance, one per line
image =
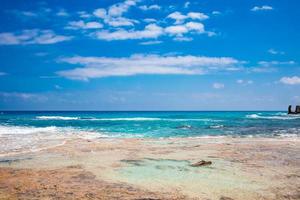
<point x="33" y="130"/>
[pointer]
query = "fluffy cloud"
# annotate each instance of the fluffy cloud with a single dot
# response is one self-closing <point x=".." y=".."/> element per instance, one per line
<point x="150" y="20"/>
<point x="151" y="7"/>
<point x="82" y="25"/>
<point x="187" y="4"/>
<point x="295" y="80"/>
<point x="113" y="16"/>
<point x="120" y="21"/>
<point x="84" y="14"/>
<point x="97" y="67"/>
<point x="215" y="12"/>
<point x="218" y="85"/>
<point x="261" y="8"/>
<point x="176" y="30"/>
<point x="33" y="36"/>
<point x="180" y="18"/>
<point x="197" y="15"/>
<point x="118" y="9"/>
<point x="100" y="12"/>
<point x="150" y="31"/>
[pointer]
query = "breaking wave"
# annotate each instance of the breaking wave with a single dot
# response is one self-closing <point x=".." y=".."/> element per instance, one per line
<point x="278" y="116"/>
<point x="57" y="118"/>
<point x="122" y="119"/>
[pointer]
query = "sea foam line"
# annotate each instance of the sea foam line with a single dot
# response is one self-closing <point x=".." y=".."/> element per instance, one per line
<point x="279" y="117"/>
<point x="121" y="119"/>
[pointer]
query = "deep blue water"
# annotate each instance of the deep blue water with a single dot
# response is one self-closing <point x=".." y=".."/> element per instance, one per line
<point x="151" y="124"/>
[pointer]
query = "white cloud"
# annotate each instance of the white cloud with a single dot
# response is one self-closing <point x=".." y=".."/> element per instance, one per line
<point x="244" y="82"/>
<point x="97" y="67"/>
<point x="150" y="31"/>
<point x="216" y="12"/>
<point x="197" y="15"/>
<point x="62" y="13"/>
<point x="120" y="21"/>
<point x="118" y="9"/>
<point x="150" y="42"/>
<point x="295" y="80"/>
<point x="151" y="7"/>
<point x="183" y="39"/>
<point x="150" y="20"/>
<point x="176" y="30"/>
<point x="32" y="36"/>
<point x="272" y="63"/>
<point x="187" y="4"/>
<point x="180" y="18"/>
<point x="100" y="12"/>
<point x="82" y="25"/>
<point x="3" y="73"/>
<point x="113" y="17"/>
<point x="274" y="52"/>
<point x="218" y="85"/>
<point x="84" y="14"/>
<point x="261" y="8"/>
<point x="195" y="26"/>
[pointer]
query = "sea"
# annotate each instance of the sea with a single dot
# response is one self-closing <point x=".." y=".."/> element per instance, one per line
<point x="36" y="130"/>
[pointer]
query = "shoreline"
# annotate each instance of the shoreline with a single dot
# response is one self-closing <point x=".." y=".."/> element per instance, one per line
<point x="242" y="168"/>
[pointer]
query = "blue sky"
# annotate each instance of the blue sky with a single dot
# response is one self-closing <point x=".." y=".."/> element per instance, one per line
<point x="149" y="55"/>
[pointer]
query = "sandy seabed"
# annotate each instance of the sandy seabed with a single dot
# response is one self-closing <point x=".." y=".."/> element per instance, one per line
<point x="145" y="169"/>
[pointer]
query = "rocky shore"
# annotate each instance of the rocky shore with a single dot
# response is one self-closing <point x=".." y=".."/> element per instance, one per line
<point x="224" y="169"/>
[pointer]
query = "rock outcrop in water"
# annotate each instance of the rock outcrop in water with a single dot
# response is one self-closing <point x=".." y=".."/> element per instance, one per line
<point x="297" y="110"/>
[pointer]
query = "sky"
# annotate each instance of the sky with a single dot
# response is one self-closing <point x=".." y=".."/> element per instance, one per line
<point x="149" y="55"/>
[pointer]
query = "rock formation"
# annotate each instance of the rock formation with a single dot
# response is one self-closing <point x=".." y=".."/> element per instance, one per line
<point x="297" y="110"/>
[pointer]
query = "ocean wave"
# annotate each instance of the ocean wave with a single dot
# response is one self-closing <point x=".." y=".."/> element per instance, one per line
<point x="122" y="119"/>
<point x="56" y="118"/>
<point x="278" y="117"/>
<point x="17" y="130"/>
<point x="216" y="126"/>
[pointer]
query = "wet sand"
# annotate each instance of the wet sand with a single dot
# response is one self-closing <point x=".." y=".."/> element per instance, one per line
<point x="242" y="168"/>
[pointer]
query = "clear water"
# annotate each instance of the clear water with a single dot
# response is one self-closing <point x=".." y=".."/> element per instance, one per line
<point x="20" y="130"/>
<point x="153" y="124"/>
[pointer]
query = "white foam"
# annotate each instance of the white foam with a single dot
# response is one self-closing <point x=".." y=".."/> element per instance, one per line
<point x="17" y="130"/>
<point x="122" y="119"/>
<point x="57" y="118"/>
<point x="279" y="116"/>
<point x="217" y="126"/>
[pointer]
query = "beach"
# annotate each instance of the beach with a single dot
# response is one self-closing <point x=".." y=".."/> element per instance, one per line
<point x="131" y="168"/>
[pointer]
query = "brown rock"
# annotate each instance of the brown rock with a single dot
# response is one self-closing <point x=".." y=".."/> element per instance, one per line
<point x="201" y="163"/>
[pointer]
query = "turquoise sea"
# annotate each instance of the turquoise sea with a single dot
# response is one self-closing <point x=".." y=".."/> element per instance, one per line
<point x="19" y="130"/>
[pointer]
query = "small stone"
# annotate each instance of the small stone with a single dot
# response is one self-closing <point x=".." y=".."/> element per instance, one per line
<point x="201" y="163"/>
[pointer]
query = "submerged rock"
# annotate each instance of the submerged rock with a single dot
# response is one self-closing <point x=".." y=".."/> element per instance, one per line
<point x="201" y="163"/>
